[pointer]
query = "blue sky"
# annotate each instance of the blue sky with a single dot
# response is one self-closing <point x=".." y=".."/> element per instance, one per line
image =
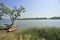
<point x="36" y="8"/>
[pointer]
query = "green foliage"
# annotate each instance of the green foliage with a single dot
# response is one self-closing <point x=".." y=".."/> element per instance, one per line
<point x="39" y="33"/>
<point x="12" y="13"/>
<point x="32" y="34"/>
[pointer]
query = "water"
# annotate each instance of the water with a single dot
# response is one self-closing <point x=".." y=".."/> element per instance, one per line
<point x="31" y="23"/>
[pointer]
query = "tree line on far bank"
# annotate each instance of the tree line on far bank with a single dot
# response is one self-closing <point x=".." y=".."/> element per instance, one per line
<point x="38" y="18"/>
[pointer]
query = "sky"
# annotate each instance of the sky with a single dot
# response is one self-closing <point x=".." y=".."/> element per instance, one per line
<point x="35" y="8"/>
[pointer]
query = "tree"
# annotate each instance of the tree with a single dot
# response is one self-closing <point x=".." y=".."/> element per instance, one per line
<point x="1" y="5"/>
<point x="12" y="13"/>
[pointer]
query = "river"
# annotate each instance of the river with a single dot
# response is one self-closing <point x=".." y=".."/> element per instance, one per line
<point x="33" y="23"/>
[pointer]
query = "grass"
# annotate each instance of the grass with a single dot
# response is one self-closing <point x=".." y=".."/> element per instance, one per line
<point x="33" y="33"/>
<point x="7" y="36"/>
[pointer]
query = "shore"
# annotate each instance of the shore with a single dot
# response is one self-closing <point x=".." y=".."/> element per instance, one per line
<point x="33" y="33"/>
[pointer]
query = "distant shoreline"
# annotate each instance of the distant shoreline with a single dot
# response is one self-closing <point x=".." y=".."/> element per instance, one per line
<point x="33" y="19"/>
<point x="41" y="18"/>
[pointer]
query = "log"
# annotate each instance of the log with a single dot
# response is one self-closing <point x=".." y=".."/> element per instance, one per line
<point x="12" y="28"/>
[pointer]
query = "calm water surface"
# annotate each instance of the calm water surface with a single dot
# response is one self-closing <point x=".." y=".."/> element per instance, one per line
<point x="31" y="23"/>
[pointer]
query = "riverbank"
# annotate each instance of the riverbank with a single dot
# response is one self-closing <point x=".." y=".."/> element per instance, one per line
<point x="33" y="33"/>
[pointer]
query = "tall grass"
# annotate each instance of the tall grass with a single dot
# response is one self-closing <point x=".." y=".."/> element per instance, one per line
<point x="33" y="33"/>
<point x="52" y="33"/>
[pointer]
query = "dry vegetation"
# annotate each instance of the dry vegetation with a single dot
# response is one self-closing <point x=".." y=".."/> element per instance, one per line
<point x="33" y="33"/>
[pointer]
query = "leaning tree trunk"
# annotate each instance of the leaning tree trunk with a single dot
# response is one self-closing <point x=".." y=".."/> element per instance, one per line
<point x="0" y="17"/>
<point x="12" y="22"/>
